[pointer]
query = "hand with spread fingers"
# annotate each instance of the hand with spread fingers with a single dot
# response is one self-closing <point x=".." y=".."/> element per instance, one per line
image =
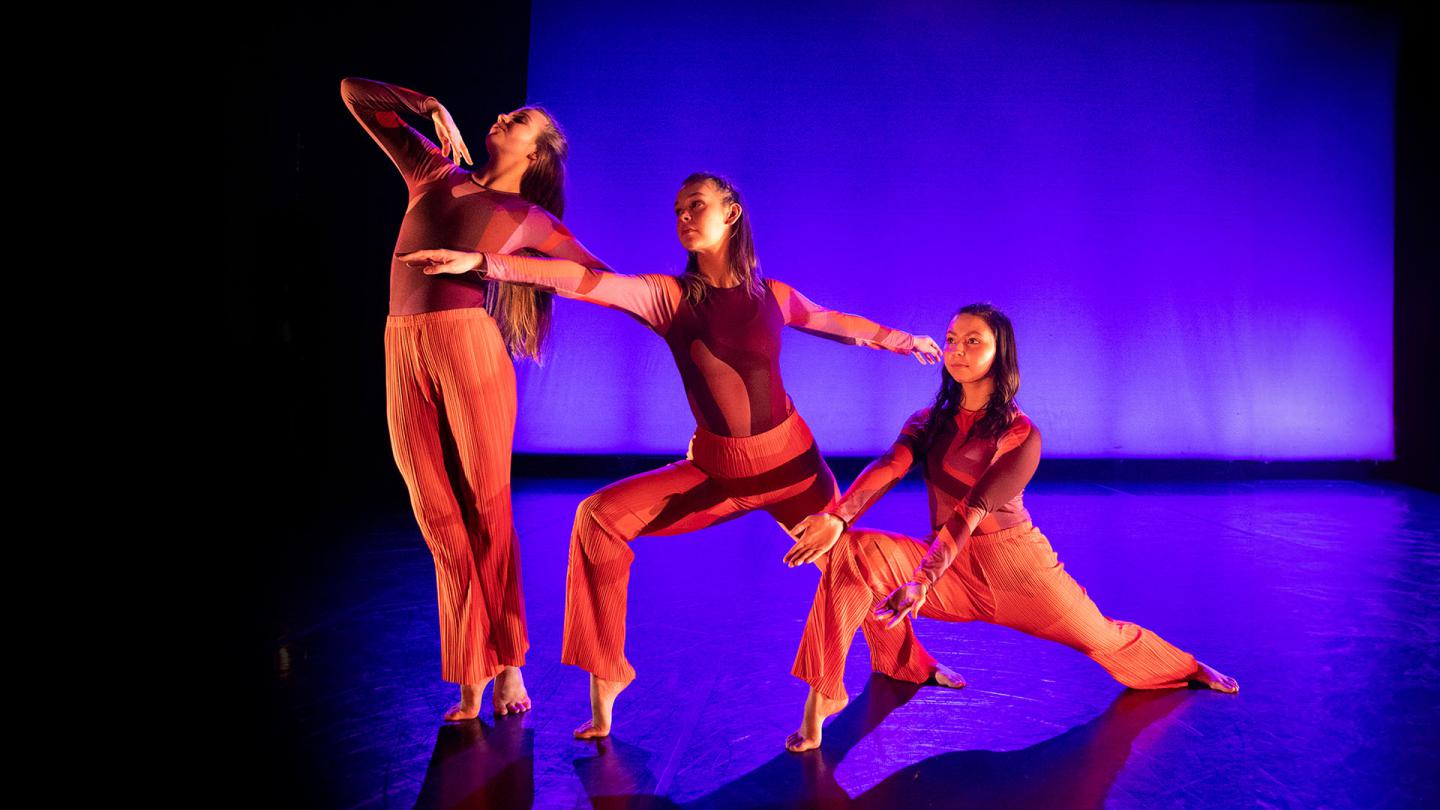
<point x="451" y="144"/>
<point x="435" y="262"/>
<point x="926" y="350"/>
<point x="814" y="536"/>
<point x="905" y="600"/>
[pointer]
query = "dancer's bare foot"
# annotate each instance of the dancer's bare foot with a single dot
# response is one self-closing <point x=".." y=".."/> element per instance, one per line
<point x="1215" y="679"/>
<point x="510" y="696"/>
<point x="469" y="706"/>
<point x="817" y="709"/>
<point x="947" y="677"/>
<point x="602" y="704"/>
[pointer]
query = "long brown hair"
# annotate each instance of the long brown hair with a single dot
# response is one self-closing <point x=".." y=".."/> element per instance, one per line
<point x="524" y="313"/>
<point x="740" y="247"/>
<point x="1004" y="371"/>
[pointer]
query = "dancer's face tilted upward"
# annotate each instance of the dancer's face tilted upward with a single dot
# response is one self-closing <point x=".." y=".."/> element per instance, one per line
<point x="514" y="133"/>
<point x="969" y="348"/>
<point x="703" y="218"/>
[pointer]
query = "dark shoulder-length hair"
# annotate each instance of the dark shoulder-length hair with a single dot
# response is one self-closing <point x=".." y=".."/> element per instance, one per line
<point x="524" y="313"/>
<point x="740" y="247"/>
<point x="1004" y="371"/>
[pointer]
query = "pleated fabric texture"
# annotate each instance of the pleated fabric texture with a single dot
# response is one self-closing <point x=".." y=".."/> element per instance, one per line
<point x="779" y="470"/>
<point x="1011" y="577"/>
<point x="450" y="403"/>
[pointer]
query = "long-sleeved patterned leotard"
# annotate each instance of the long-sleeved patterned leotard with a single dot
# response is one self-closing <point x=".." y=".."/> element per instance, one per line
<point x="976" y="483"/>
<point x="727" y="347"/>
<point x="751" y="450"/>
<point x="985" y="562"/>
<point x="450" y="385"/>
<point x="448" y="207"/>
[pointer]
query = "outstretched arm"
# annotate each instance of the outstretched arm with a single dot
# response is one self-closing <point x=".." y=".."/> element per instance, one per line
<point x="542" y="232"/>
<point x="379" y="106"/>
<point x="650" y="298"/>
<point x="807" y="316"/>
<point x="875" y="480"/>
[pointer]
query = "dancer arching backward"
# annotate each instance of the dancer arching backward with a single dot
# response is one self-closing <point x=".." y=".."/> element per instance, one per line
<point x="751" y="450"/>
<point x="449" y="382"/>
<point x="986" y="561"/>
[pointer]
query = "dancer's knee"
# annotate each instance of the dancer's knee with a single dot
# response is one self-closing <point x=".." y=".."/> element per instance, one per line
<point x="875" y="558"/>
<point x="437" y="516"/>
<point x="596" y="532"/>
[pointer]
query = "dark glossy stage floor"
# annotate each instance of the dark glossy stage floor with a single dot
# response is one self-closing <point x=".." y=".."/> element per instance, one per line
<point x="1320" y="597"/>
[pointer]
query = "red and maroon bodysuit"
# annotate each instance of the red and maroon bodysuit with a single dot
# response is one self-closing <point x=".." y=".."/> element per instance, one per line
<point x="450" y="385"/>
<point x="750" y="451"/>
<point x="984" y="562"/>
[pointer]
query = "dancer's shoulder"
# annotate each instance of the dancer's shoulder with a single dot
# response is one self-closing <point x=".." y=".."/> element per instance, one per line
<point x="1022" y="421"/>
<point x="532" y="214"/>
<point x="915" y="424"/>
<point x="1022" y="427"/>
<point x="665" y="285"/>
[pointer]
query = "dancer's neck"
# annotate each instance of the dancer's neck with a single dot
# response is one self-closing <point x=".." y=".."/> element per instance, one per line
<point x="501" y="175"/>
<point x="715" y="268"/>
<point x="977" y="394"/>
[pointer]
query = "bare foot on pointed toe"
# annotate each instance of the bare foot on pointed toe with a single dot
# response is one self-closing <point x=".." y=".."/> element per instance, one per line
<point x="510" y="696"/>
<point x="1215" y="679"/>
<point x="469" y="706"/>
<point x="817" y="709"/>
<point x="947" y="677"/>
<point x="602" y="706"/>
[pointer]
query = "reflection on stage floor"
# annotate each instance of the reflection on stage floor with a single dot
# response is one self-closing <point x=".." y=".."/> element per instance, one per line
<point x="1319" y="596"/>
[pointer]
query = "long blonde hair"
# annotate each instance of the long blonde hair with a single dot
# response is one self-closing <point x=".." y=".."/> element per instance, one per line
<point x="524" y="313"/>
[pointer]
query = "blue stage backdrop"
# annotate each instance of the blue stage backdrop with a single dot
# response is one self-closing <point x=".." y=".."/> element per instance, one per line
<point x="1185" y="208"/>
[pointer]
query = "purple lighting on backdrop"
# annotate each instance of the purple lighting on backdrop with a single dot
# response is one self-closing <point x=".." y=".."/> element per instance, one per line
<point x="1186" y="209"/>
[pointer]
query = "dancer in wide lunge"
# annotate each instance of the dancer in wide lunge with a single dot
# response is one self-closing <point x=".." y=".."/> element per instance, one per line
<point x="722" y="320"/>
<point x="449" y="380"/>
<point x="986" y="562"/>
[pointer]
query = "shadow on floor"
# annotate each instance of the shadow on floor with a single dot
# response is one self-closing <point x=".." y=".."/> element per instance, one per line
<point x="476" y="765"/>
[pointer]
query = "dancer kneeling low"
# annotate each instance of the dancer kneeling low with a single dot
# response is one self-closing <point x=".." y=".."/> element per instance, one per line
<point x="986" y="561"/>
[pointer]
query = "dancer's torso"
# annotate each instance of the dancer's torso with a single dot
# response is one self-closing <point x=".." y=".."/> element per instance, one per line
<point x="953" y="466"/>
<point x="727" y="349"/>
<point x="455" y="212"/>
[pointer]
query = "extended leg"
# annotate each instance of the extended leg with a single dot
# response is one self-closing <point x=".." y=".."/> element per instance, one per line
<point x="673" y="499"/>
<point x="1034" y="594"/>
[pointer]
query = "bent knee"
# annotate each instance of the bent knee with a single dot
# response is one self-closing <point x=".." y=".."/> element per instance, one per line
<point x="601" y="510"/>
<point x="598" y="524"/>
<point x="877" y="550"/>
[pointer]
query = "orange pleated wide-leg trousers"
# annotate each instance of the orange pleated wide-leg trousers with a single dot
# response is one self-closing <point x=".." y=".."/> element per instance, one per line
<point x="780" y="471"/>
<point x="1011" y="577"/>
<point x="450" y="404"/>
